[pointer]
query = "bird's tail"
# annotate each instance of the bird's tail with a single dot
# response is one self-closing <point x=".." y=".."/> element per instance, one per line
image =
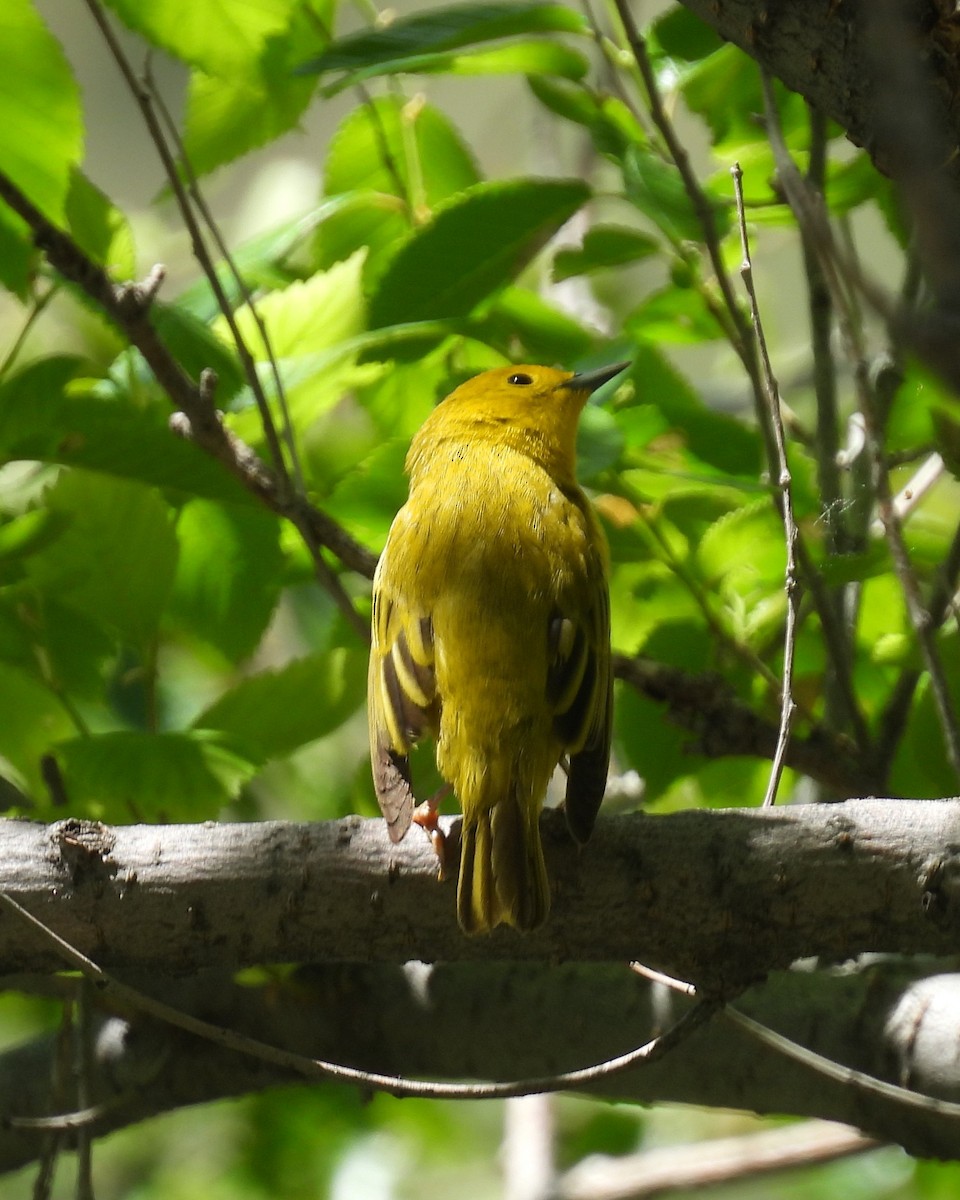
<point x="503" y="878"/>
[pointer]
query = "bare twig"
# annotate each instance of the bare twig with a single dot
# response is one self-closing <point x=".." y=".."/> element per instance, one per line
<point x="723" y="725"/>
<point x="667" y="1169"/>
<point x="791" y="586"/>
<point x="122" y="994"/>
<point x="128" y="306"/>
<point x="36" y="311"/>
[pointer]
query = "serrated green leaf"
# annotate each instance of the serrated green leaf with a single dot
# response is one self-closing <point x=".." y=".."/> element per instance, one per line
<point x="115" y="560"/>
<point x="544" y="333"/>
<point x="603" y="246"/>
<point x="389" y="156"/>
<point x="219" y="36"/>
<point x="41" y="126"/>
<point x="444" y="29"/>
<point x="473" y="245"/>
<point x="196" y="348"/>
<point x="714" y="439"/>
<point x="151" y="776"/>
<point x="275" y="712"/>
<point x="657" y="189"/>
<point x="744" y="550"/>
<point x="229" y="574"/>
<point x="100" y="229"/>
<point x="45" y="417"/>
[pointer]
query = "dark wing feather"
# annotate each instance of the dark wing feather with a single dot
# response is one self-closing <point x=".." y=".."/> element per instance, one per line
<point x="401" y="704"/>
<point x="580" y="687"/>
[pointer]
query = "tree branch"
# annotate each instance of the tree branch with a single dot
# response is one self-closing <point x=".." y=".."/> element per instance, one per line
<point x="128" y="305"/>
<point x="494" y="1020"/>
<point x="716" y="897"/>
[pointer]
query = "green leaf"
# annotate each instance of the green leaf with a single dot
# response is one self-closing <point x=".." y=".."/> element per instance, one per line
<point x="197" y="348"/>
<point x="149" y="776"/>
<point x="19" y="255"/>
<point x="674" y="314"/>
<point x="713" y="438"/>
<point x="389" y="156"/>
<point x="522" y="58"/>
<point x="100" y="229"/>
<point x="474" y="244"/>
<point x="31" y="718"/>
<point x="222" y="37"/>
<point x="229" y="574"/>
<point x="444" y="29"/>
<point x="681" y="36"/>
<point x="603" y="246"/>
<point x="115" y="560"/>
<point x="744" y="550"/>
<point x="656" y="188"/>
<point x="599" y="442"/>
<point x="41" y="127"/>
<point x="612" y="127"/>
<point x="229" y="115"/>
<point x="91" y="425"/>
<point x="274" y="712"/>
<point x="367" y="499"/>
<point x="545" y="333"/>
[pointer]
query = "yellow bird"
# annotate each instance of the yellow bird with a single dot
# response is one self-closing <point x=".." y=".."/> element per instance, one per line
<point x="491" y="632"/>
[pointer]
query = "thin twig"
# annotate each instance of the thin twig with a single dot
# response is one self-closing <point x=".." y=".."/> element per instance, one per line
<point x="783" y="481"/>
<point x="723" y="725"/>
<point x="848" y="1076"/>
<point x="114" y="990"/>
<point x="196" y="195"/>
<point x="707" y="1164"/>
<point x="144" y="102"/>
<point x="36" y="311"/>
<point x="128" y="306"/>
<point x="804" y="208"/>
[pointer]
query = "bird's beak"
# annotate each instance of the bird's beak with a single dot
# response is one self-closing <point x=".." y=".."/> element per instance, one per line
<point x="589" y="381"/>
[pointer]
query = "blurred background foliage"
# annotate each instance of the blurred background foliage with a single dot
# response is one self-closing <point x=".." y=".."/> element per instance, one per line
<point x="414" y="196"/>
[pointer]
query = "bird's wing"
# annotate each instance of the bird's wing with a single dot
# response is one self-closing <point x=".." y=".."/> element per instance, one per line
<point x="401" y="699"/>
<point x="580" y="688"/>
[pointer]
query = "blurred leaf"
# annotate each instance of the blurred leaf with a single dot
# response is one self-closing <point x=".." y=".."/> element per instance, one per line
<point x="656" y="188"/>
<point x="443" y="29"/>
<point x="115" y="560"/>
<point x="197" y="349"/>
<point x="599" y="442"/>
<point x="44" y="416"/>
<point x="100" y="229"/>
<point x="229" y="574"/>
<point x="522" y="58"/>
<point x="19" y="255"/>
<point x="376" y="155"/>
<point x="546" y="334"/>
<point x="714" y="438"/>
<point x="151" y="776"/>
<point x="275" y="712"/>
<point x="673" y="314"/>
<point x="219" y="36"/>
<point x="681" y="35"/>
<point x="41" y="124"/>
<point x="612" y="127"/>
<point x="367" y="499"/>
<point x="31" y="718"/>
<point x="603" y="246"/>
<point x="474" y="244"/>
<point x="744" y="549"/>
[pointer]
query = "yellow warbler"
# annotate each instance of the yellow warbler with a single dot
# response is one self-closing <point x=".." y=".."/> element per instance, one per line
<point x="491" y="631"/>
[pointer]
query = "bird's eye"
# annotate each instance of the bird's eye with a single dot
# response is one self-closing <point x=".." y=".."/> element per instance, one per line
<point x="520" y="380"/>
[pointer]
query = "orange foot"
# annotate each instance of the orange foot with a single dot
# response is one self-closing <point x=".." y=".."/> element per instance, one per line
<point x="427" y="816"/>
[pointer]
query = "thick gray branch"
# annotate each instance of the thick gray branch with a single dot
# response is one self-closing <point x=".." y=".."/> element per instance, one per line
<point x="502" y="1020"/>
<point x="717" y="897"/>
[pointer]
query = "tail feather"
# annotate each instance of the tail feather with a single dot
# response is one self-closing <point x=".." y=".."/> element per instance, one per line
<point x="503" y="877"/>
